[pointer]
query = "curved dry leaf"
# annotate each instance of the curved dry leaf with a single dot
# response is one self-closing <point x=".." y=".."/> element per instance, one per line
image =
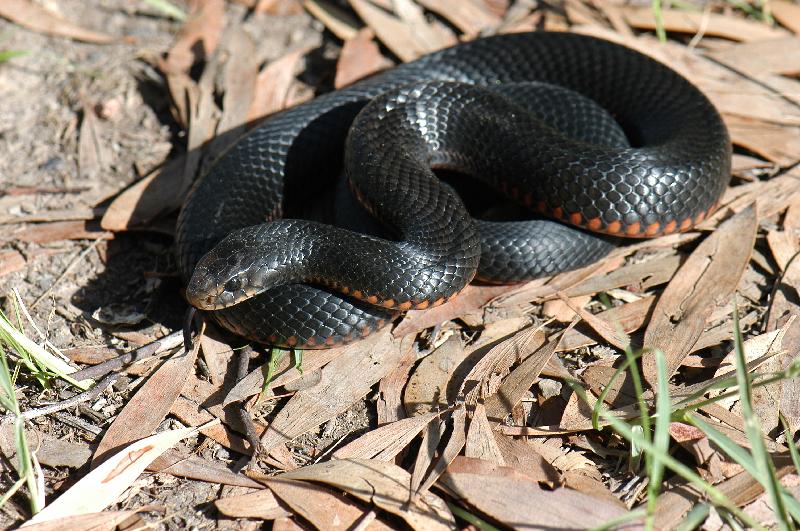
<point x="345" y="380"/>
<point x="149" y="406"/>
<point x="103" y="486"/>
<point x="193" y="467"/>
<point x="148" y="198"/>
<point x="384" y="484"/>
<point x="426" y="389"/>
<point x="787" y="13"/>
<point x="707" y="280"/>
<point x="37" y="18"/>
<point x="498" y="360"/>
<point x="524" y="505"/>
<point x="399" y="36"/>
<point x="322" y="507"/>
<point x="525" y="458"/>
<point x="360" y="57"/>
<point x="274" y="84"/>
<point x="261" y="505"/>
<point x="712" y="24"/>
<point x="480" y="442"/>
<point x="203" y="28"/>
<point x="85" y="522"/>
<point x="470" y="16"/>
<point x="471" y="298"/>
<point x="516" y="384"/>
<point x="337" y="20"/>
<point x="390" y="390"/>
<point x="385" y="442"/>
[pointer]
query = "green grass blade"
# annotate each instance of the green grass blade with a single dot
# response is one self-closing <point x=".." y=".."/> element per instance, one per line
<point x="168" y="9"/>
<point x="790" y="443"/>
<point x="7" y="55"/>
<point x="714" y="494"/>
<point x="766" y="474"/>
<point x="655" y="5"/>
<point x="655" y="467"/>
<point x="694" y="518"/>
<point x="467" y="516"/>
<point x="614" y="523"/>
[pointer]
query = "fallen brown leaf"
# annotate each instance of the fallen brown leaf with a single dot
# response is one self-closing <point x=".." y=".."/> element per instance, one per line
<point x="337" y="20"/>
<point x="404" y="40"/>
<point x="426" y="389"/>
<point x="261" y="504"/>
<point x="322" y="507"/>
<point x="787" y="13"/>
<point x="514" y="387"/>
<point x="470" y="16"/>
<point x="37" y="18"/>
<point x="346" y="379"/>
<point x="480" y="442"/>
<point x="707" y="279"/>
<point x="360" y="57"/>
<point x="274" y="83"/>
<point x="384" y="484"/>
<point x="148" y="407"/>
<point x="385" y="442"/>
<point x="507" y="499"/>
<point x="712" y="24"/>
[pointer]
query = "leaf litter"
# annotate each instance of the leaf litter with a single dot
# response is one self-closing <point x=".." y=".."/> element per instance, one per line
<point x="464" y="411"/>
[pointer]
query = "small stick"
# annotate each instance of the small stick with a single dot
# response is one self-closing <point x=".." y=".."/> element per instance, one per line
<point x="65" y="404"/>
<point x="147" y="351"/>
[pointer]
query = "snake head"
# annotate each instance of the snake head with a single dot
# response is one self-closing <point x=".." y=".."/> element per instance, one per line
<point x="230" y="273"/>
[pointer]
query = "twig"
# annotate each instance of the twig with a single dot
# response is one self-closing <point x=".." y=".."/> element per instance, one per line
<point x="79" y="423"/>
<point x="147" y="351"/>
<point x="65" y="404"/>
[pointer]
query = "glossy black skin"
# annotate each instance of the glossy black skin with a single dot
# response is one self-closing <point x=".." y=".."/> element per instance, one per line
<point x="468" y="109"/>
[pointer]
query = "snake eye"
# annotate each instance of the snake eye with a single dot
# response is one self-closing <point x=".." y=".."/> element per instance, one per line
<point x="234" y="284"/>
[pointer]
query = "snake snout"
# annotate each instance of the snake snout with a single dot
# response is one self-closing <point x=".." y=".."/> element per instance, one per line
<point x="218" y="284"/>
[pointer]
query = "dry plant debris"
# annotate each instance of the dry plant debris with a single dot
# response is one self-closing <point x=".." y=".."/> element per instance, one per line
<point x="557" y="403"/>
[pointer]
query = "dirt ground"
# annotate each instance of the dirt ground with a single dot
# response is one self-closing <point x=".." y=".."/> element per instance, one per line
<point x="89" y="283"/>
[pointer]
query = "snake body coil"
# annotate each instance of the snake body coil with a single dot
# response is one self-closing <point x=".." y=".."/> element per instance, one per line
<point x="588" y="132"/>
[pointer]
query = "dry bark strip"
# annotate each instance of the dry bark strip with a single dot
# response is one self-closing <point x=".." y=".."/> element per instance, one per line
<point x="345" y="380"/>
<point x="707" y="280"/>
<point x="384" y="484"/>
<point x="148" y="407"/>
<point x="322" y="507"/>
